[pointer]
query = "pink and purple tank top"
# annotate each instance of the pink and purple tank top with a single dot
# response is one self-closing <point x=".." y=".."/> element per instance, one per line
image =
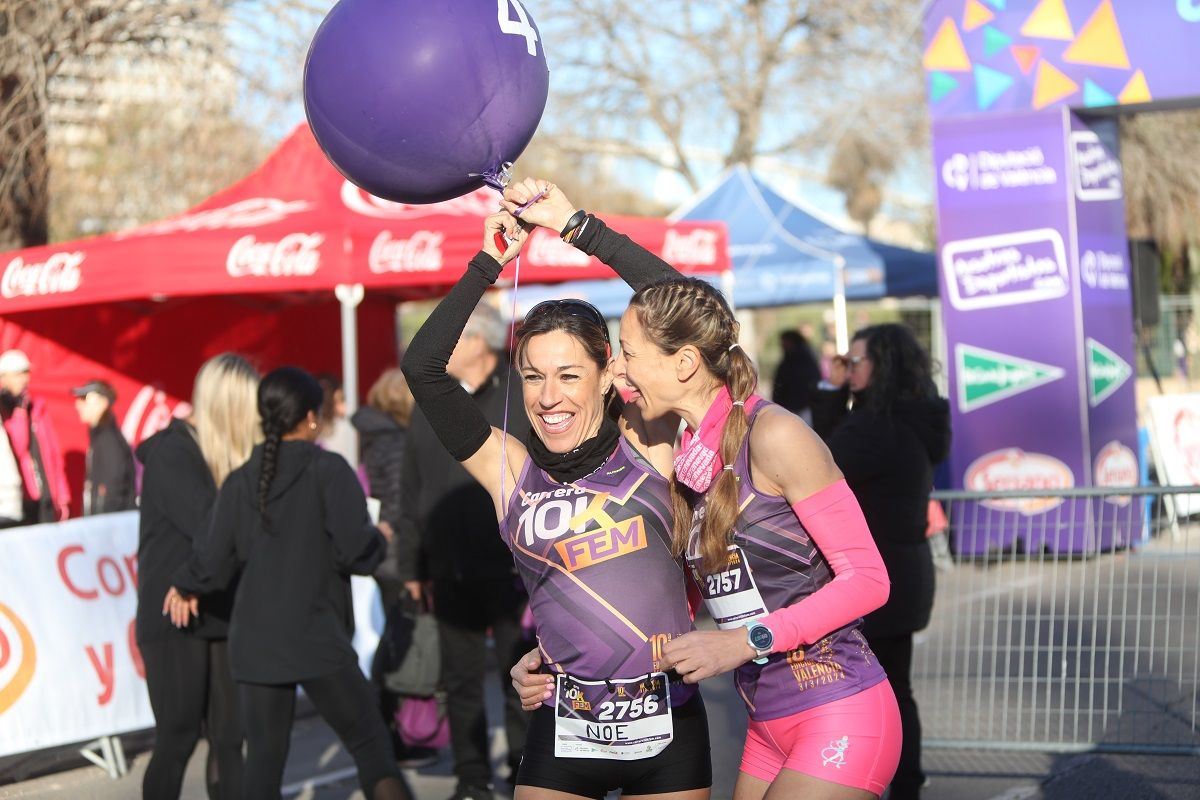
<point x="773" y="563"/>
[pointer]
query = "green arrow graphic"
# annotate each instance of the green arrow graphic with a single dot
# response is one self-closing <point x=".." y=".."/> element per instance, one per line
<point x="1106" y="370"/>
<point x="986" y="377"/>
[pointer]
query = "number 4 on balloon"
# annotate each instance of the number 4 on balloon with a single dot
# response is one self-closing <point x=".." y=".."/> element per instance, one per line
<point x="519" y="26"/>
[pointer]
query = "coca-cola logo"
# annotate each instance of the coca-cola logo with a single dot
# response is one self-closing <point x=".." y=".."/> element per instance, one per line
<point x="547" y="249"/>
<point x="58" y="274"/>
<point x="479" y="203"/>
<point x="421" y="252"/>
<point x="248" y="213"/>
<point x="294" y="254"/>
<point x="1116" y="465"/>
<point x="150" y="412"/>
<point x="698" y="247"/>
<point x="1014" y="470"/>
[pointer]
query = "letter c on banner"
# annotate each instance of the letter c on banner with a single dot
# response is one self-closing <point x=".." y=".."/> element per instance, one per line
<point x="10" y="692"/>
<point x="1189" y="10"/>
<point x="63" y="555"/>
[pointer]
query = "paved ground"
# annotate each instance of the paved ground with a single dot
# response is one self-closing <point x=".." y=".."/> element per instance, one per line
<point x="319" y="769"/>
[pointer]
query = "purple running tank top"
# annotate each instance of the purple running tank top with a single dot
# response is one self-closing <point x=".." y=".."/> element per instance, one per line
<point x="773" y="555"/>
<point x="595" y="556"/>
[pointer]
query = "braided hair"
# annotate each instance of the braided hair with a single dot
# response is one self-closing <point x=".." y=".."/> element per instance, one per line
<point x="285" y="397"/>
<point x="689" y="311"/>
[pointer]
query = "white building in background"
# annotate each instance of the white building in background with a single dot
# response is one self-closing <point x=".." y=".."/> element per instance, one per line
<point x="120" y="94"/>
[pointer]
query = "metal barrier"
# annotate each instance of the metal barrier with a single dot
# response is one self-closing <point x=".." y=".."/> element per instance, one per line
<point x="1077" y="626"/>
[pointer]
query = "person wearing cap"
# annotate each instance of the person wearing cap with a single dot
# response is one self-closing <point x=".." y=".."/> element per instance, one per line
<point x="34" y="443"/>
<point x="110" y="483"/>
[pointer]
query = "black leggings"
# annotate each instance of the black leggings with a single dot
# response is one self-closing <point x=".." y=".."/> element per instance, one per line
<point x="189" y="684"/>
<point x="345" y="700"/>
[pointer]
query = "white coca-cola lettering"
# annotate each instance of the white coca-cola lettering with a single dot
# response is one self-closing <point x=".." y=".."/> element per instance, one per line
<point x="294" y="254"/>
<point x="697" y="247"/>
<point x="478" y="203"/>
<point x="422" y="252"/>
<point x="58" y="274"/>
<point x="546" y="249"/>
<point x="248" y="213"/>
<point x="150" y="412"/>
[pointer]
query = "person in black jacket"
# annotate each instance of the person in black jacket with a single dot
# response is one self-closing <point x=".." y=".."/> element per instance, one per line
<point x="187" y="671"/>
<point x="110" y="481"/>
<point x="293" y="522"/>
<point x="382" y="426"/>
<point x="887" y="445"/>
<point x="448" y="521"/>
<point x="796" y="377"/>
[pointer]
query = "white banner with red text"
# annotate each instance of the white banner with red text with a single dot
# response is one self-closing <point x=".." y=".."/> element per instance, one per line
<point x="70" y="670"/>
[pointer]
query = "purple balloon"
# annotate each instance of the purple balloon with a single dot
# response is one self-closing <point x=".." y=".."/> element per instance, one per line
<point x="408" y="98"/>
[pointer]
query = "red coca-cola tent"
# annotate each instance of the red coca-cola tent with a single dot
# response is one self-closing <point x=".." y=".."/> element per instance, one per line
<point x="273" y="267"/>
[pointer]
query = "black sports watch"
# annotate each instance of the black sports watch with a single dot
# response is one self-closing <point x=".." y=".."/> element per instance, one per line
<point x="760" y="639"/>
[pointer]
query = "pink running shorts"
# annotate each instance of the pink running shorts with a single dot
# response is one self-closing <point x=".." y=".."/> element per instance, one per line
<point x="854" y="741"/>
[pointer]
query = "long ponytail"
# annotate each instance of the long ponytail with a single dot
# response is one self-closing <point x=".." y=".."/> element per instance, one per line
<point x="688" y="311"/>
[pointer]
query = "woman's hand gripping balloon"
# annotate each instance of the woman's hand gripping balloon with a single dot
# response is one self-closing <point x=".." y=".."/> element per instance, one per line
<point x="503" y="236"/>
<point x="552" y="210"/>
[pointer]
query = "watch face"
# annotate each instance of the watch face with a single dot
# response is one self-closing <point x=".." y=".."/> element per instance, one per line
<point x="761" y="637"/>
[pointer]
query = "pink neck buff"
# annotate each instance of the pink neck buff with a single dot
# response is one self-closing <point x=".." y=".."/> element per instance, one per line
<point x="699" y="461"/>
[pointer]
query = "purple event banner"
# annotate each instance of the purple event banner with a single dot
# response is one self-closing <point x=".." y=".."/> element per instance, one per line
<point x="1037" y="310"/>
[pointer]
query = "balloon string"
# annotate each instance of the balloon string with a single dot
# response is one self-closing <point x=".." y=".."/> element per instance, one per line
<point x="512" y="332"/>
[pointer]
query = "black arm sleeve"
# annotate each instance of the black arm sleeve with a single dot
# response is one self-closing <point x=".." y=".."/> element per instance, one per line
<point x="454" y="416"/>
<point x="633" y="263"/>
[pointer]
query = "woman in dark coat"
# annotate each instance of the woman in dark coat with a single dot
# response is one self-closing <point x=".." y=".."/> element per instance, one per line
<point x="293" y="521"/>
<point x="382" y="426"/>
<point x="887" y="445"/>
<point x="187" y="670"/>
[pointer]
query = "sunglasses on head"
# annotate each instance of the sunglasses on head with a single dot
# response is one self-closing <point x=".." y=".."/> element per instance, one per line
<point x="575" y="308"/>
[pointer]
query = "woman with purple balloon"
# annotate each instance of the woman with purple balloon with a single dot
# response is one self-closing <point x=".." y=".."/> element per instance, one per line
<point x="586" y="513"/>
<point x="773" y="538"/>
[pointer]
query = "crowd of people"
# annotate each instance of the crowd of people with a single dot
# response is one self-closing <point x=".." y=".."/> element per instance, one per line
<point x="575" y="507"/>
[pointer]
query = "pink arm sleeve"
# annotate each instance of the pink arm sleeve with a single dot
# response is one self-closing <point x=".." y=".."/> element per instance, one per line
<point x="836" y="524"/>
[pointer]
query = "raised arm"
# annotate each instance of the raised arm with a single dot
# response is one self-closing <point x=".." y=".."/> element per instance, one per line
<point x="633" y="263"/>
<point x="459" y="423"/>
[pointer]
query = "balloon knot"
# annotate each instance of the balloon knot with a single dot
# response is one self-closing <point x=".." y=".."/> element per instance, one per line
<point x="496" y="177"/>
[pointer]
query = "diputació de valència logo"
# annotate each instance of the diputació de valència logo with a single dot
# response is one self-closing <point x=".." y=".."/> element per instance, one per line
<point x="18" y="658"/>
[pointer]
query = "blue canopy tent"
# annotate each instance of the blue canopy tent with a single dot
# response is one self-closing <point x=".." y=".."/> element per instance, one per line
<point x="781" y="255"/>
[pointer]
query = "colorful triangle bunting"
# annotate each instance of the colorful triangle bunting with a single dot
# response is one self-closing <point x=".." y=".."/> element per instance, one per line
<point x="1094" y="96"/>
<point x="1136" y="91"/>
<point x="994" y="41"/>
<point x="1099" y="43"/>
<point x="1050" y="85"/>
<point x="946" y="51"/>
<point x="975" y="15"/>
<point x="1025" y="55"/>
<point x="996" y="4"/>
<point x="1049" y="21"/>
<point x="940" y="85"/>
<point x="989" y="85"/>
